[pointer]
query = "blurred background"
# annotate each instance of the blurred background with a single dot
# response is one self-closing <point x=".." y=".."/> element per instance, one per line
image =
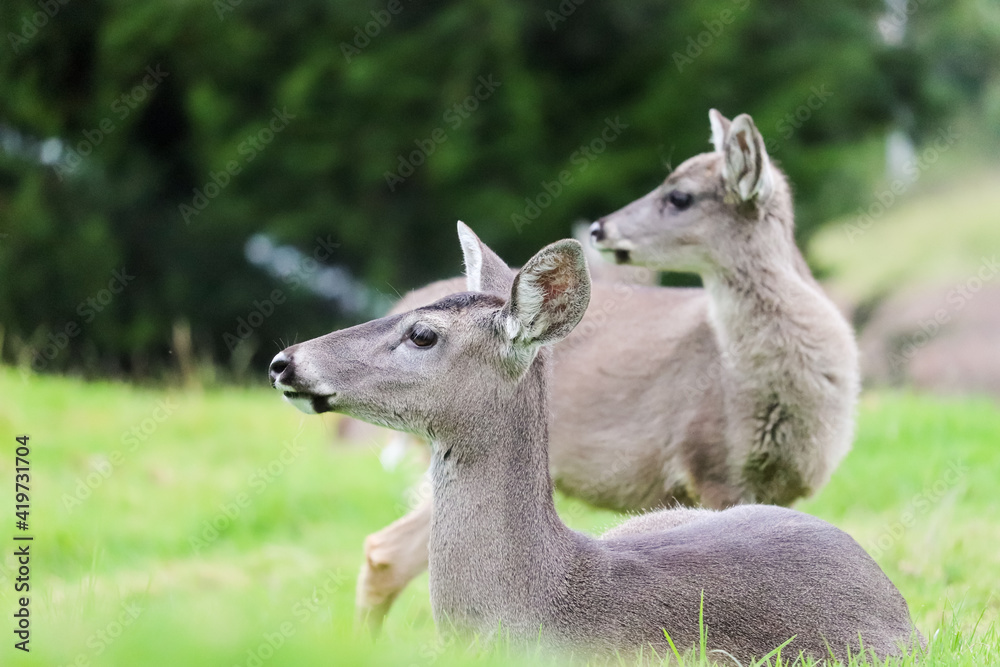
<point x="186" y="186"/>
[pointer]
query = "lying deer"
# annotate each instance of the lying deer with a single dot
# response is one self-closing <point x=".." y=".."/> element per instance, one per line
<point x="741" y="392"/>
<point x="469" y="373"/>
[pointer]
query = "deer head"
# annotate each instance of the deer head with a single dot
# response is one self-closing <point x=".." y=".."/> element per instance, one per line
<point x="430" y="368"/>
<point x="710" y="210"/>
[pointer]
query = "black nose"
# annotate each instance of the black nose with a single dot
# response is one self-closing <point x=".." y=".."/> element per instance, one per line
<point x="279" y="366"/>
<point x="597" y="231"/>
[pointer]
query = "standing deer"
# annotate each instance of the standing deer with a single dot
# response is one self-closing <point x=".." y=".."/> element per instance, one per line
<point x="469" y="373"/>
<point x="740" y="392"/>
<point x="789" y="359"/>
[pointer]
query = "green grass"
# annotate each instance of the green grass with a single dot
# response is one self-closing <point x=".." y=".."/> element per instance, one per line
<point x="918" y="491"/>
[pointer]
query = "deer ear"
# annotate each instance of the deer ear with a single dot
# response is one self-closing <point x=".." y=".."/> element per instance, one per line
<point x="484" y="270"/>
<point x="720" y="128"/>
<point x="746" y="166"/>
<point x="549" y="295"/>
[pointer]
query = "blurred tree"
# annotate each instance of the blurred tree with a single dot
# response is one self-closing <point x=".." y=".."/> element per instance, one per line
<point x="157" y="139"/>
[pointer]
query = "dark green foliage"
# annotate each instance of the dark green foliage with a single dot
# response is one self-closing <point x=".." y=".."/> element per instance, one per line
<point x="351" y="108"/>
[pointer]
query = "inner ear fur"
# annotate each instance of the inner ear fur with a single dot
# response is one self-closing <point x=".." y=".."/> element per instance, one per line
<point x="746" y="165"/>
<point x="484" y="270"/>
<point x="720" y="129"/>
<point x="549" y="295"/>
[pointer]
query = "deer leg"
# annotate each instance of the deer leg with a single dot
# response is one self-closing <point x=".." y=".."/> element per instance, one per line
<point x="393" y="557"/>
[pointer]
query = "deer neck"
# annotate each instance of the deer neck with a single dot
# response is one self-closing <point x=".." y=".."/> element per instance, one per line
<point x="496" y="540"/>
<point x="762" y="307"/>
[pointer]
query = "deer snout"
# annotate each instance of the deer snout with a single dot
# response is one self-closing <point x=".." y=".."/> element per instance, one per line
<point x="281" y="371"/>
<point x="597" y="231"/>
<point x="298" y="390"/>
<point x="608" y="241"/>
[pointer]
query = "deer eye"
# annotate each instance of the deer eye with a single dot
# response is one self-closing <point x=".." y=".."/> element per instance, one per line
<point x="680" y="200"/>
<point x="422" y="336"/>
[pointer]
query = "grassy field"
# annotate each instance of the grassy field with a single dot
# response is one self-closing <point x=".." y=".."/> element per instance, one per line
<point x="225" y="528"/>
